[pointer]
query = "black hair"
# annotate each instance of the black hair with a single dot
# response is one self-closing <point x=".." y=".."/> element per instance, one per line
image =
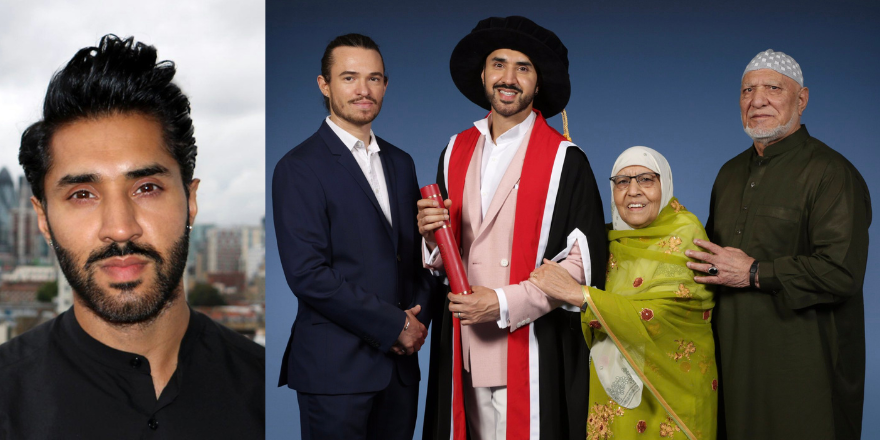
<point x="347" y="40"/>
<point x="119" y="76"/>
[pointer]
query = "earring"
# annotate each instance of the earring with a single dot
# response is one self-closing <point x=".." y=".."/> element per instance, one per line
<point x="189" y="227"/>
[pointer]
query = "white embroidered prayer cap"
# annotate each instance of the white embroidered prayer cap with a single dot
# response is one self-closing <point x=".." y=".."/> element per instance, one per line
<point x="778" y="61"/>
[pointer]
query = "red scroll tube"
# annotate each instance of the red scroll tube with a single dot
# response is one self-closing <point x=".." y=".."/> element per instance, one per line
<point x="458" y="281"/>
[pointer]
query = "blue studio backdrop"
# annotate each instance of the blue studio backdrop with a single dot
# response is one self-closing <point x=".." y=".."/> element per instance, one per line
<point x="664" y="75"/>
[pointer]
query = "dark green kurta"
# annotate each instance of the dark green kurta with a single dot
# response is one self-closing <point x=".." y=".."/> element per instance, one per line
<point x="791" y="355"/>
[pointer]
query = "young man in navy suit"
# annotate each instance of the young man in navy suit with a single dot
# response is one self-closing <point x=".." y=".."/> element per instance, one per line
<point x="346" y="225"/>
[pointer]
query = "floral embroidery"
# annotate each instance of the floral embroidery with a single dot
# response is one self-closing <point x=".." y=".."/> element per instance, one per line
<point x="668" y="428"/>
<point x="595" y="324"/>
<point x="647" y="314"/>
<point x="638" y="282"/>
<point x="685" y="367"/>
<point x="652" y="366"/>
<point x="685" y="350"/>
<point x="707" y="314"/>
<point x="599" y="419"/>
<point x="653" y="328"/>
<point x="641" y="426"/>
<point x="704" y="364"/>
<point x="672" y="243"/>
<point x="677" y="206"/>
<point x="683" y="292"/>
<point x="714" y="384"/>
<point x="612" y="263"/>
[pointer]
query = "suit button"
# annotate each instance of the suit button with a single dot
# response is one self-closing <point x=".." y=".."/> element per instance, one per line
<point x="135" y="362"/>
<point x="504" y="262"/>
<point x="153" y="424"/>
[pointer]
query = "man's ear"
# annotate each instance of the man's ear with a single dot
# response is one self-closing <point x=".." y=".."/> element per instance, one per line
<point x="193" y="206"/>
<point x="324" y="85"/>
<point x="803" y="98"/>
<point x="42" y="221"/>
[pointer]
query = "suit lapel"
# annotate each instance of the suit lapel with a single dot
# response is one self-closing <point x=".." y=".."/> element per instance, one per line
<point x="391" y="185"/>
<point x="347" y="161"/>
<point x="508" y="181"/>
<point x="472" y="205"/>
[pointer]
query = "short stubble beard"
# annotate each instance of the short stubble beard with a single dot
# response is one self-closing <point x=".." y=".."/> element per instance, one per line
<point x="130" y="307"/>
<point x="523" y="100"/>
<point x="357" y="118"/>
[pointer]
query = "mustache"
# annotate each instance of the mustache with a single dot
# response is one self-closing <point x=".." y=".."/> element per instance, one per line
<point x="364" y="98"/>
<point x="508" y="86"/>
<point x="130" y="248"/>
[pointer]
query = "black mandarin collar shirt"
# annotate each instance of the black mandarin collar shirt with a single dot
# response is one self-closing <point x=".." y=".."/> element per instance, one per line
<point x="57" y="382"/>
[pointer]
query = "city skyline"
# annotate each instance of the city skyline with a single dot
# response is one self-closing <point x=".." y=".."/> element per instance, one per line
<point x="218" y="49"/>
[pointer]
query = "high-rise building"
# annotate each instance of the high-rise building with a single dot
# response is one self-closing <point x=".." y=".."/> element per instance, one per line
<point x="225" y="250"/>
<point x="196" y="260"/>
<point x="29" y="246"/>
<point x="7" y="203"/>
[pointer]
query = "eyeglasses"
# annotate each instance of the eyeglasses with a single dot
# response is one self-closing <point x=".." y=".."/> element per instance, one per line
<point x="645" y="180"/>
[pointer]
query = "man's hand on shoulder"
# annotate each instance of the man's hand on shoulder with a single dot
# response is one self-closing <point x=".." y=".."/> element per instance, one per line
<point x="413" y="335"/>
<point x="480" y="306"/>
<point x="431" y="216"/>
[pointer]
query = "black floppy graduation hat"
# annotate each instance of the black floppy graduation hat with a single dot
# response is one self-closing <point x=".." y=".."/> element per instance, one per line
<point x="542" y="46"/>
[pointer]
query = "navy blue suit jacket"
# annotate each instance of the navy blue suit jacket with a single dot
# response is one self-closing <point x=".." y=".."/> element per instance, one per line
<point x="352" y="272"/>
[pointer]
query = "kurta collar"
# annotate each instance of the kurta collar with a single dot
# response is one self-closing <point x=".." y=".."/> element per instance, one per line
<point x="787" y="144"/>
<point x="348" y="139"/>
<point x="517" y="132"/>
<point x="118" y="359"/>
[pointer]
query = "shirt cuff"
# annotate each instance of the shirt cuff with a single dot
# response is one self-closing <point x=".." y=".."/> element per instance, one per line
<point x="503" y="312"/>
<point x="767" y="278"/>
<point x="429" y="256"/>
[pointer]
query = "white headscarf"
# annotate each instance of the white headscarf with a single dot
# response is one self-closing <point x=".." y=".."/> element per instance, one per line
<point x="648" y="158"/>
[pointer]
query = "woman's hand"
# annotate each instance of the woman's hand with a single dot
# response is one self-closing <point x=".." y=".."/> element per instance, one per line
<point x="557" y="283"/>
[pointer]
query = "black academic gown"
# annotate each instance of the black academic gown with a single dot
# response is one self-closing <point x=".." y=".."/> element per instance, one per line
<point x="564" y="356"/>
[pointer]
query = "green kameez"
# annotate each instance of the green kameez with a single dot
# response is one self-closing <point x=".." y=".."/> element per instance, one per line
<point x="792" y="354"/>
<point x="659" y="319"/>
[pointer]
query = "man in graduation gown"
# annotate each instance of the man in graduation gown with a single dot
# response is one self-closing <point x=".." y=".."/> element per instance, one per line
<point x="518" y="191"/>
<point x="789" y="320"/>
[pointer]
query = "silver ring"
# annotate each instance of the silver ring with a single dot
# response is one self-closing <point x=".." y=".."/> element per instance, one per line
<point x="459" y="314"/>
<point x="712" y="271"/>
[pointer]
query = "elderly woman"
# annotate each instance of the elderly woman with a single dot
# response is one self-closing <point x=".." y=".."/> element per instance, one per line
<point x="652" y="356"/>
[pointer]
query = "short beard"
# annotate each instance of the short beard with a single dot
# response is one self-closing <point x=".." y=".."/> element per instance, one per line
<point x="767" y="135"/>
<point x="357" y="118"/>
<point x="130" y="307"/>
<point x="523" y="100"/>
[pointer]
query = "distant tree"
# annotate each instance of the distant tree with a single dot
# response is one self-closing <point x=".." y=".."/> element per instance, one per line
<point x="205" y="295"/>
<point x="47" y="291"/>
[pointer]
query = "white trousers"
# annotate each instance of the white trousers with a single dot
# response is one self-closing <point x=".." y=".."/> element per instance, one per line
<point x="485" y="410"/>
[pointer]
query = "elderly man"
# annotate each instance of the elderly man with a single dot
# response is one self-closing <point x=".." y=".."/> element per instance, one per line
<point x="111" y="167"/>
<point x="518" y="189"/>
<point x="789" y="221"/>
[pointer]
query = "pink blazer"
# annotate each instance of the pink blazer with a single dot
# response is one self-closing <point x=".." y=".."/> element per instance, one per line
<point x="486" y="255"/>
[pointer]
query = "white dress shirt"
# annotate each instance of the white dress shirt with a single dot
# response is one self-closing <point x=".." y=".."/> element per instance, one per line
<point x="368" y="159"/>
<point x="497" y="156"/>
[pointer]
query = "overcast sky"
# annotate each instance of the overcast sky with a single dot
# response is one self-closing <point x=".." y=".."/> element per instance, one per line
<point x="219" y="49"/>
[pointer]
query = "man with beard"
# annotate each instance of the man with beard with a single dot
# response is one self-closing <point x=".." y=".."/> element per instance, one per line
<point x="519" y="191"/>
<point x="111" y="168"/>
<point x="789" y="221"/>
<point x="344" y="206"/>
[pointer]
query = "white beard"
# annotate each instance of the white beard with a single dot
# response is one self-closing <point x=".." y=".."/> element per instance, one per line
<point x="767" y="135"/>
